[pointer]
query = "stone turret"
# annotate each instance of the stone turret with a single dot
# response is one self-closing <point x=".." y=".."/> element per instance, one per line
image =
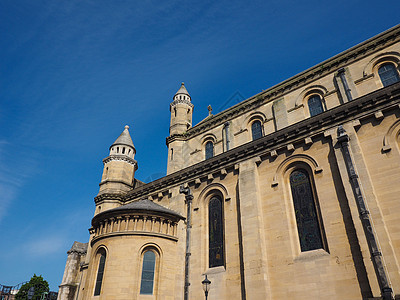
<point x="119" y="167"/>
<point x="181" y="110"/>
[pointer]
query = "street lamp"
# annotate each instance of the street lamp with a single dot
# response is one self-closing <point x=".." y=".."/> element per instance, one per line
<point x="206" y="286"/>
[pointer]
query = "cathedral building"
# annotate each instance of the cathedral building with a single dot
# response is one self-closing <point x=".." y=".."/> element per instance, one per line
<point x="290" y="194"/>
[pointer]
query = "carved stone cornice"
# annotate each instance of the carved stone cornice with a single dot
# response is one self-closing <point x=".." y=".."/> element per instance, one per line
<point x="109" y="196"/>
<point x="175" y="137"/>
<point x="341" y="60"/>
<point x="360" y="108"/>
<point x="122" y="158"/>
<point x="180" y="101"/>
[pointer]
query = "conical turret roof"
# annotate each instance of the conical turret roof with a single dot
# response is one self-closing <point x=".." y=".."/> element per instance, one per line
<point x="124" y="138"/>
<point x="182" y="90"/>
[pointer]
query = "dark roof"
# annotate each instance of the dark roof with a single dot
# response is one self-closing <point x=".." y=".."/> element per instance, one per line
<point x="144" y="205"/>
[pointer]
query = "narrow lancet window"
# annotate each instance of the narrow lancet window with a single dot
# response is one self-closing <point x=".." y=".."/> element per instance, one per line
<point x="216" y="233"/>
<point x="388" y="74"/>
<point x="315" y="105"/>
<point x="209" y="150"/>
<point x="100" y="272"/>
<point x="147" y="282"/>
<point x="308" y="224"/>
<point x="256" y="130"/>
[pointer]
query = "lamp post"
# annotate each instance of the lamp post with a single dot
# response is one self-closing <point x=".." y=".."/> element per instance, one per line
<point x="206" y="286"/>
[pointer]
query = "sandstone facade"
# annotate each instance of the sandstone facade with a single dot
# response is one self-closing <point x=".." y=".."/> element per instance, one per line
<point x="334" y="128"/>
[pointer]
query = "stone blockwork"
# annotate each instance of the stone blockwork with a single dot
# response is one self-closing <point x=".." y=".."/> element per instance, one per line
<point x="351" y="180"/>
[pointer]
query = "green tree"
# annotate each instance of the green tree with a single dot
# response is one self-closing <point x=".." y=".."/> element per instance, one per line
<point x="38" y="283"/>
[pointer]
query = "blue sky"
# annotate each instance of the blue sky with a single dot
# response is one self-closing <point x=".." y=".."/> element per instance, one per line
<point x="73" y="73"/>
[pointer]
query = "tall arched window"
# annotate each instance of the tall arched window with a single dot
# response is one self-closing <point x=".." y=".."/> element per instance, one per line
<point x="100" y="271"/>
<point x="149" y="264"/>
<point x="256" y="130"/>
<point x="388" y="74"/>
<point x="216" y="233"/>
<point x="315" y="105"/>
<point x="209" y="149"/>
<point x="308" y="224"/>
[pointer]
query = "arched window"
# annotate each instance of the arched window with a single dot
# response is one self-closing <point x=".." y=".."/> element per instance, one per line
<point x="315" y="105"/>
<point x="216" y="233"/>
<point x="388" y="74"/>
<point x="147" y="282"/>
<point x="256" y="130"/>
<point x="100" y="272"/>
<point x="308" y="225"/>
<point x="209" y="149"/>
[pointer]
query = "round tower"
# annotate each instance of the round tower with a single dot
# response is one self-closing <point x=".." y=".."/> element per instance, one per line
<point x="119" y="166"/>
<point x="181" y="112"/>
<point x="181" y="120"/>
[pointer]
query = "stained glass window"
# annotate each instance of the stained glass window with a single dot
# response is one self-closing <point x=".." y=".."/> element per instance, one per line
<point x="147" y="282"/>
<point x="315" y="105"/>
<point x="209" y="150"/>
<point x="100" y="272"/>
<point x="308" y="224"/>
<point x="216" y="233"/>
<point x="388" y="74"/>
<point x="256" y="130"/>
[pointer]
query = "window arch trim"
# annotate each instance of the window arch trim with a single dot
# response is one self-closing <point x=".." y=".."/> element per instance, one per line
<point x="310" y="231"/>
<point x="318" y="105"/>
<point x="100" y="263"/>
<point x="209" y="150"/>
<point x="257" y="131"/>
<point x="216" y="231"/>
<point x="373" y="65"/>
<point x="306" y="93"/>
<point x="156" y="250"/>
<point x="392" y="68"/>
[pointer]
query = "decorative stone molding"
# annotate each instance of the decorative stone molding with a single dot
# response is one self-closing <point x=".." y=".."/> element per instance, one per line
<point x="390" y="135"/>
<point x="361" y="108"/>
<point x="121" y="158"/>
<point x="298" y="158"/>
<point x="180" y="101"/>
<point x="109" y="196"/>
<point x="148" y="225"/>
<point x="136" y="218"/>
<point x="341" y="60"/>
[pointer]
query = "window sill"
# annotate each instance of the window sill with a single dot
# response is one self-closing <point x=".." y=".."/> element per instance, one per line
<point x="311" y="255"/>
<point x="214" y="270"/>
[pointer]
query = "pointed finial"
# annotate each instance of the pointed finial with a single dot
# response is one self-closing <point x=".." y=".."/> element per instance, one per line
<point x="126" y="126"/>
<point x="209" y="110"/>
<point x="182" y="83"/>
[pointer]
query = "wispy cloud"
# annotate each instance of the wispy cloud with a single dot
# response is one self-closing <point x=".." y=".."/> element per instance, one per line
<point x="46" y="245"/>
<point x="15" y="168"/>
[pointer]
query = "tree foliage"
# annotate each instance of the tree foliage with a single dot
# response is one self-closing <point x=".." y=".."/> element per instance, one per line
<point x="38" y="283"/>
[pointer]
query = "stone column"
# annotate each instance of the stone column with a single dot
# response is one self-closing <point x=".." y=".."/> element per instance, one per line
<point x="254" y="246"/>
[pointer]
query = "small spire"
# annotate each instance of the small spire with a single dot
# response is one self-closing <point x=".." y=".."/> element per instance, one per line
<point x="182" y="90"/>
<point x="124" y="138"/>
